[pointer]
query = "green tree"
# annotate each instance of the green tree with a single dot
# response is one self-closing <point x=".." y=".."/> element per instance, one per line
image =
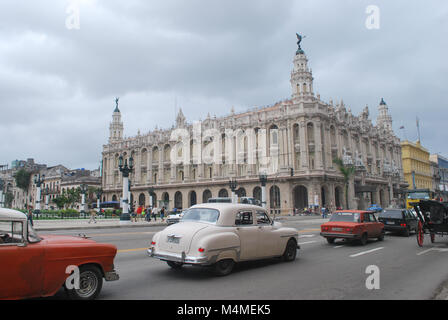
<point x="60" y="201"/>
<point x="23" y="178"/>
<point x="73" y="196"/>
<point x="347" y="172"/>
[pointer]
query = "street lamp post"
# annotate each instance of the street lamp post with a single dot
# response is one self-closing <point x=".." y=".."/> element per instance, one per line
<point x="233" y="184"/>
<point x="125" y="169"/>
<point x="83" y="187"/>
<point x="263" y="180"/>
<point x="47" y="197"/>
<point x="99" y="192"/>
<point x="38" y="180"/>
<point x="2" y="184"/>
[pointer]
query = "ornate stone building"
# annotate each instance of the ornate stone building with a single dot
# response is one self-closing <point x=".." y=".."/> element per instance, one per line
<point x="299" y="137"/>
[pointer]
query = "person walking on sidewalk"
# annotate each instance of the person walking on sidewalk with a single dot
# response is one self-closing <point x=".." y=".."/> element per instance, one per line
<point x="92" y="216"/>
<point x="154" y="213"/>
<point x="30" y="216"/>
<point x="162" y="213"/>
<point x="139" y="213"/>
<point x="148" y="214"/>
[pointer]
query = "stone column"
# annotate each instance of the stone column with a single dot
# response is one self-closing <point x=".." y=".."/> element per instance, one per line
<point x="303" y="146"/>
<point x="161" y="174"/>
<point x="291" y="149"/>
<point x="138" y="167"/>
<point x="318" y="145"/>
<point x="149" y="170"/>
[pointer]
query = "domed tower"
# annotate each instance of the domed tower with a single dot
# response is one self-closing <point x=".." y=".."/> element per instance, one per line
<point x="116" y="126"/>
<point x="384" y="119"/>
<point x="301" y="76"/>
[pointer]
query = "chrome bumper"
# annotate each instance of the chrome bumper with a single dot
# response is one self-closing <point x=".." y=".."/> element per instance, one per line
<point x="111" y="276"/>
<point x="340" y="235"/>
<point x="168" y="256"/>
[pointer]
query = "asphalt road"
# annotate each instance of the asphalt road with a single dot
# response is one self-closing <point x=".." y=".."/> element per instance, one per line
<point x="321" y="270"/>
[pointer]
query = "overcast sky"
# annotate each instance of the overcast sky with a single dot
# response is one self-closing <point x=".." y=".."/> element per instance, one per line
<point x="58" y="85"/>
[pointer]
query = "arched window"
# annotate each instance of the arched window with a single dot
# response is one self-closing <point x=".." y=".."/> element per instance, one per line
<point x="141" y="200"/>
<point x="178" y="200"/>
<point x="257" y="193"/>
<point x="223" y="193"/>
<point x="274" y="197"/>
<point x="310" y="132"/>
<point x="206" y="195"/>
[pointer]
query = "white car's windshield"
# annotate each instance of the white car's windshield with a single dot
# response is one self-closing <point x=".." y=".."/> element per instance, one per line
<point x="201" y="214"/>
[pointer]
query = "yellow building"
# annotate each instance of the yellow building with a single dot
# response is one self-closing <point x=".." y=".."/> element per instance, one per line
<point x="415" y="159"/>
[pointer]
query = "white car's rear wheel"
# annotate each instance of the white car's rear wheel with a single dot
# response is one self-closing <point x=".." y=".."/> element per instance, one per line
<point x="223" y="267"/>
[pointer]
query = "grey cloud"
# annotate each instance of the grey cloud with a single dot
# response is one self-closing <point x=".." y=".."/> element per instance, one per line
<point x="57" y="85"/>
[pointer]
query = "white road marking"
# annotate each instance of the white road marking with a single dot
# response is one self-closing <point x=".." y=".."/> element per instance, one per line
<point x="338" y="246"/>
<point x="433" y="249"/>
<point x="307" y="242"/>
<point x="365" y="252"/>
<point x="307" y="236"/>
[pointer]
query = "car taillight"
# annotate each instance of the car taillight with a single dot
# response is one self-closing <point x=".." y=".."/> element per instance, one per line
<point x="403" y="224"/>
<point x="153" y="243"/>
<point x="201" y="249"/>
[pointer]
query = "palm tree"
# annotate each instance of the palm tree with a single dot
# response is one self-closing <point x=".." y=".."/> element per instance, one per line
<point x="347" y="171"/>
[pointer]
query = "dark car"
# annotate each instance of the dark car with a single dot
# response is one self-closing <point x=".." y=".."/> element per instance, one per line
<point x="399" y="220"/>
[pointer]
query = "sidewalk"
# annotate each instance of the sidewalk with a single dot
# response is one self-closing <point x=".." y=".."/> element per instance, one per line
<point x="72" y="224"/>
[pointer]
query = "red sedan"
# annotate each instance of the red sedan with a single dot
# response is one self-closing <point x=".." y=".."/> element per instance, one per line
<point x="38" y="266"/>
<point x="352" y="225"/>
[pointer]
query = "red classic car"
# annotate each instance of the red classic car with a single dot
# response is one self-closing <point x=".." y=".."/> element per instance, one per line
<point x="38" y="266"/>
<point x="353" y="225"/>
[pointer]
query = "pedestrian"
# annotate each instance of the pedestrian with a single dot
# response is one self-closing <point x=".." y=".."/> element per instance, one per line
<point x="139" y="213"/>
<point x="30" y="216"/>
<point x="92" y="216"/>
<point x="162" y="213"/>
<point x="324" y="213"/>
<point x="133" y="215"/>
<point x="154" y="213"/>
<point x="148" y="214"/>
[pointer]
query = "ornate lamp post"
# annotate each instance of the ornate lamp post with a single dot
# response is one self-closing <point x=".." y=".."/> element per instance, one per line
<point x="233" y="184"/>
<point x="2" y="184"/>
<point x="38" y="180"/>
<point x="125" y="169"/>
<point x="46" y="192"/>
<point x="99" y="192"/>
<point x="263" y="180"/>
<point x="151" y="193"/>
<point x="84" y="188"/>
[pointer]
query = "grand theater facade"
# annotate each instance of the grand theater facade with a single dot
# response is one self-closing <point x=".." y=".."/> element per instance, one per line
<point x="293" y="143"/>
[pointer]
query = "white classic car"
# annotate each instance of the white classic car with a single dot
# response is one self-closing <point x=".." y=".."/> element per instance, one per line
<point x="174" y="218"/>
<point x="221" y="234"/>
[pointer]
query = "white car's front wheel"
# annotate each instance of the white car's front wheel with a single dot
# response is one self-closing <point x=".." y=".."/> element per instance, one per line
<point x="290" y="251"/>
